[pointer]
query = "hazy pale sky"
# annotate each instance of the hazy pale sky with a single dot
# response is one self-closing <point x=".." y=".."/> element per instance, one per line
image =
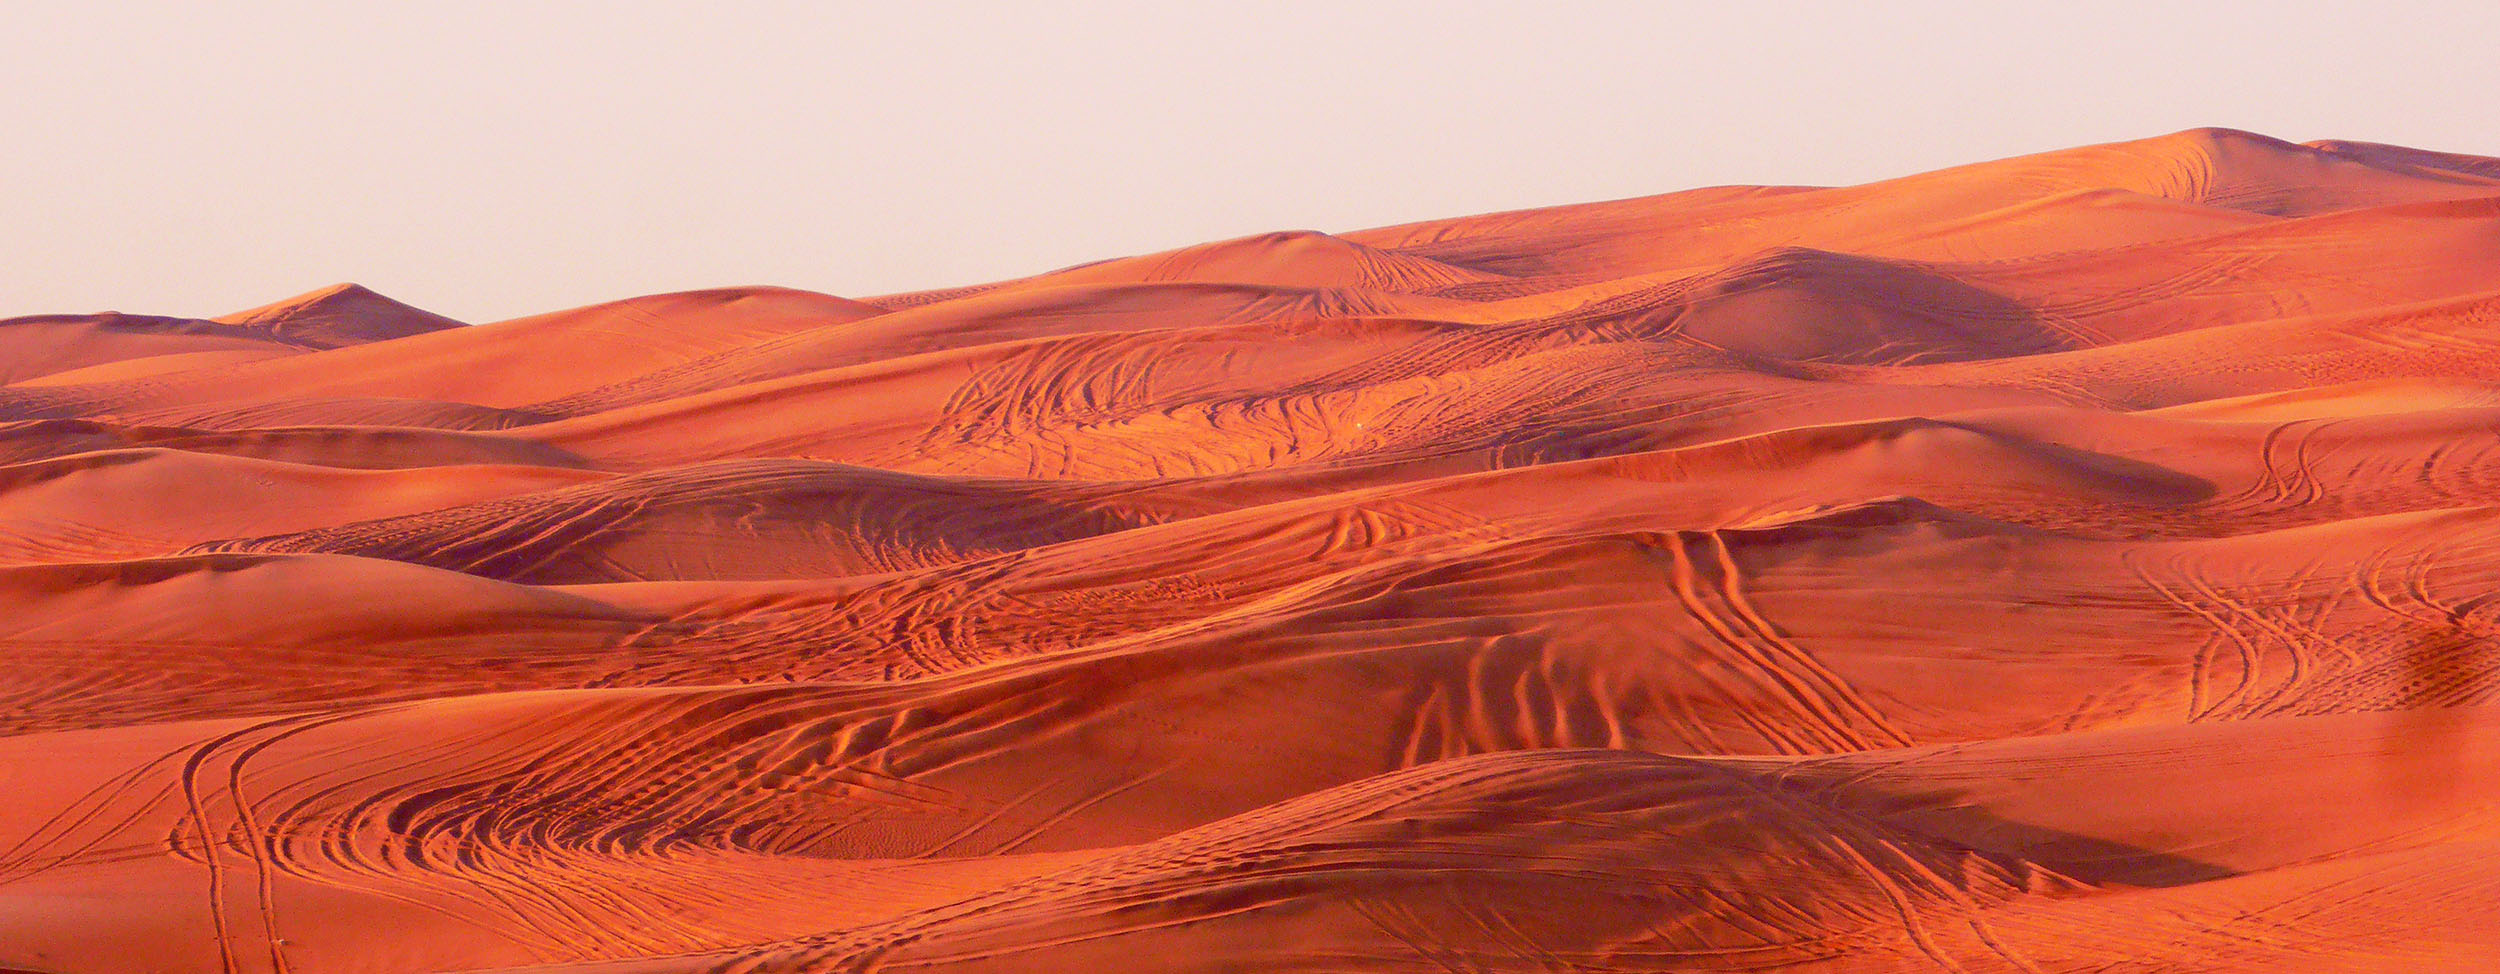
<point x="488" y="160"/>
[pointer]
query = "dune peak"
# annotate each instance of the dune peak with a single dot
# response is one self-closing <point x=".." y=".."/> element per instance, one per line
<point x="339" y="315"/>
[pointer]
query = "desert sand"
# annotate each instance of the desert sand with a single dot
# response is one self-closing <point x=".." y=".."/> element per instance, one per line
<point x="2078" y="562"/>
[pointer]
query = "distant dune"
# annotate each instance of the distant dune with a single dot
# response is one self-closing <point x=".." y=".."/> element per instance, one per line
<point x="2081" y="562"/>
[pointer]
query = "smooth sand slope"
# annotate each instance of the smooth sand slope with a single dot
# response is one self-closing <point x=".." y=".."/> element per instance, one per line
<point x="2081" y="562"/>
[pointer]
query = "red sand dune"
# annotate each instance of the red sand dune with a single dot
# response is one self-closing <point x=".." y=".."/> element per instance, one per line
<point x="2082" y="562"/>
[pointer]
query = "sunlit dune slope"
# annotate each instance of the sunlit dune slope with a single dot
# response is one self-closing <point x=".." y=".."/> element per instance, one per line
<point x="2078" y="562"/>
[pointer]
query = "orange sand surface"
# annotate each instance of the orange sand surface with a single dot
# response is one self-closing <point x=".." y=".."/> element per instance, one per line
<point x="2081" y="562"/>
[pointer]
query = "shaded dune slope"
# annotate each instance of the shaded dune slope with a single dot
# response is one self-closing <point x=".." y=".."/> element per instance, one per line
<point x="2078" y="562"/>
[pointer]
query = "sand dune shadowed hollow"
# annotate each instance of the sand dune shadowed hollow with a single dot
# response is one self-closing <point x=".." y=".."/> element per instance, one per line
<point x="2079" y="562"/>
